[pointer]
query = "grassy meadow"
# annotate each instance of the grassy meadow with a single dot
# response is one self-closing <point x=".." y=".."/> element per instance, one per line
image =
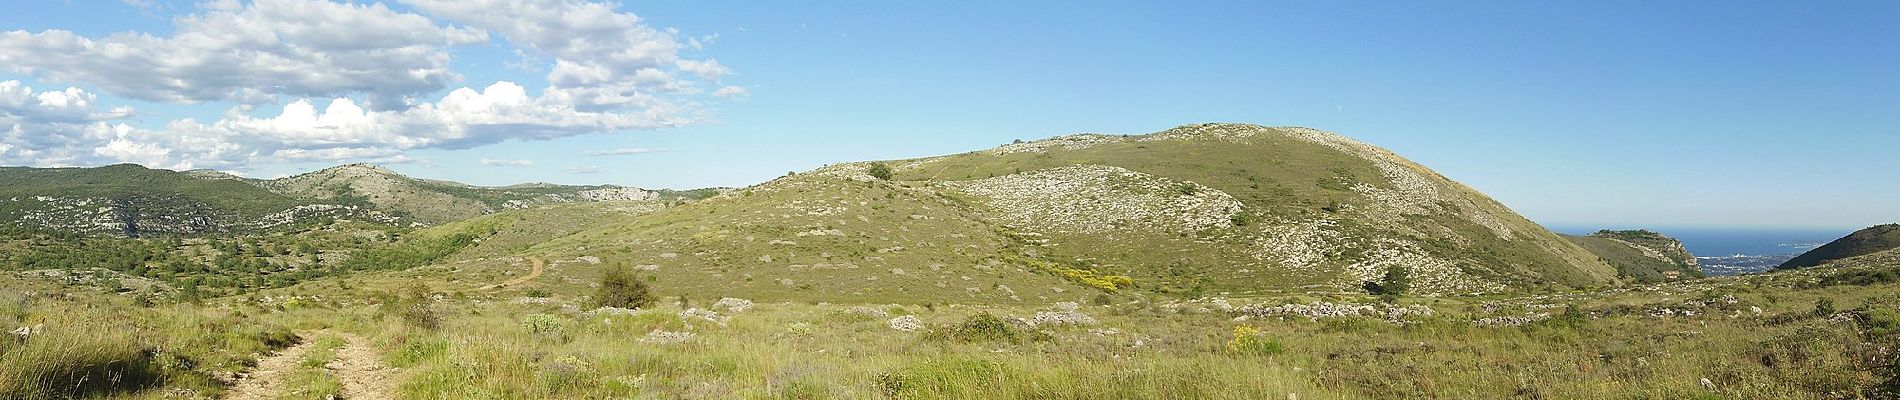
<point x="1811" y="334"/>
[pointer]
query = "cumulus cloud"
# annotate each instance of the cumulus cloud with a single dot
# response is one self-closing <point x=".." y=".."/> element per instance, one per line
<point x="622" y="151"/>
<point x="601" y="57"/>
<point x="507" y="163"/>
<point x="306" y="48"/>
<point x="20" y="104"/>
<point x="366" y="93"/>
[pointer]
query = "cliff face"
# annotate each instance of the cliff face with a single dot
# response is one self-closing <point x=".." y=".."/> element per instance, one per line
<point x="1874" y="239"/>
<point x="1641" y="255"/>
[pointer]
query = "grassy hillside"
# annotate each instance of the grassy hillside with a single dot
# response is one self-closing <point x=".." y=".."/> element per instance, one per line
<point x="1874" y="239"/>
<point x="129" y="199"/>
<point x="1805" y="334"/>
<point x="1195" y="211"/>
<point x="1314" y="207"/>
<point x="1640" y="255"/>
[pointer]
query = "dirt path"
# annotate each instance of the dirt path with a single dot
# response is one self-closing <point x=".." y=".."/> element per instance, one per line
<point x="355" y="365"/>
<point x="539" y="267"/>
<point x="362" y="372"/>
<point x="267" y="380"/>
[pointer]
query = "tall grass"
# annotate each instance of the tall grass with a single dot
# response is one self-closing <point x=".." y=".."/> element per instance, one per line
<point x="90" y="347"/>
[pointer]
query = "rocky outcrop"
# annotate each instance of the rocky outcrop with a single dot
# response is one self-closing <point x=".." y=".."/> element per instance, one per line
<point x="1642" y="255"/>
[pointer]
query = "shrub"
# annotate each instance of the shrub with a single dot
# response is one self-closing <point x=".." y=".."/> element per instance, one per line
<point x="414" y="306"/>
<point x="880" y="171"/>
<point x="620" y="289"/>
<point x="1248" y="341"/>
<point x="541" y="324"/>
<point x="985" y="327"/>
<point x="1396" y="281"/>
<point x="1879" y="323"/>
<point x="1241" y="219"/>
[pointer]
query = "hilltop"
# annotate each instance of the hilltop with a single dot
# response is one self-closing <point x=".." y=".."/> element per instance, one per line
<point x="1197" y="210"/>
<point x="131" y="200"/>
<point x="1871" y="240"/>
<point x="1641" y="255"/>
<point x="434" y="202"/>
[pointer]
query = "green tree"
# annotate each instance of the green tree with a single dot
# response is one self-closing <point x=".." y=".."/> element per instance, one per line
<point x="1397" y="280"/>
<point x="880" y="171"/>
<point x="620" y="289"/>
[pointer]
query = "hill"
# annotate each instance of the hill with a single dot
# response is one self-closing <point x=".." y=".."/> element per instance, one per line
<point x="1871" y="240"/>
<point x="1641" y="255"/>
<point x="435" y="202"/>
<point x="132" y="201"/>
<point x="1196" y="210"/>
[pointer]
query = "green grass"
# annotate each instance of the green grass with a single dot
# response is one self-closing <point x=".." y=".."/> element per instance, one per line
<point x="490" y="346"/>
<point x="98" y="345"/>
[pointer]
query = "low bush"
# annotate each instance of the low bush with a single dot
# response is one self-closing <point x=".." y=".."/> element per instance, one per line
<point x="880" y="171"/>
<point x="985" y="327"/>
<point x="620" y="289"/>
<point x="1249" y="341"/>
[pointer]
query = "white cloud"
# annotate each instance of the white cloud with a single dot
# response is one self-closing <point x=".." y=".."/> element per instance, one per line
<point x="732" y="92"/>
<point x="601" y="57"/>
<point x="622" y="152"/>
<point x="583" y="169"/>
<point x="709" y="69"/>
<point x="507" y="163"/>
<point x="361" y="93"/>
<point x="19" y="103"/>
<point x="304" y="48"/>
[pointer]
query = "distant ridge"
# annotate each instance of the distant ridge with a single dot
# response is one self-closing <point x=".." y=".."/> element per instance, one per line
<point x="132" y="200"/>
<point x="1871" y="240"/>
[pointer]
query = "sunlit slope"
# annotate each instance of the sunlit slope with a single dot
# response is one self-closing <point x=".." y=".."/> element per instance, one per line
<point x="1202" y="209"/>
<point x="820" y="237"/>
<point x="1314" y="208"/>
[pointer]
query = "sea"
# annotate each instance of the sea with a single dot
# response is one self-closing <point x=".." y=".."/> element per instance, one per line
<point x="1735" y="251"/>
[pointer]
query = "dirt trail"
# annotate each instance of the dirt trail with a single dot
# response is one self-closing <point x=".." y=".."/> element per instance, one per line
<point x="362" y="372"/>
<point x="267" y="380"/>
<point x="355" y="365"/>
<point x="539" y="267"/>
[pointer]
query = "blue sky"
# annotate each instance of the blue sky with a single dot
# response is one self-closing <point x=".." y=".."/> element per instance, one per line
<point x="1625" y="114"/>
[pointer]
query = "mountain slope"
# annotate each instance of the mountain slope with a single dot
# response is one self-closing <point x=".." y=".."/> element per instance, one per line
<point x="131" y="200"/>
<point x="1200" y="209"/>
<point x="1641" y="255"/>
<point x="1871" y="240"/>
<point x="435" y="202"/>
